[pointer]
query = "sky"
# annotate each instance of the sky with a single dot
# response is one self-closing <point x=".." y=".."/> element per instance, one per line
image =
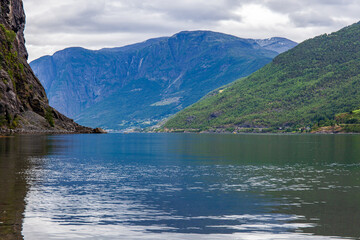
<point x="53" y="25"/>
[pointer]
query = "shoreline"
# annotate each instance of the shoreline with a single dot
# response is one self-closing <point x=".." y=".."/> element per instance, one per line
<point x="14" y="132"/>
<point x="336" y="129"/>
<point x="249" y="133"/>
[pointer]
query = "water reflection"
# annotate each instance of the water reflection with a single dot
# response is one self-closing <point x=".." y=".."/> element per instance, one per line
<point x="156" y="186"/>
<point x="329" y="196"/>
<point x="14" y="165"/>
<point x="272" y="149"/>
<point x="146" y="186"/>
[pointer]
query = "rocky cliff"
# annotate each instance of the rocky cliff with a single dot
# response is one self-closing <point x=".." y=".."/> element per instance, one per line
<point x="24" y="105"/>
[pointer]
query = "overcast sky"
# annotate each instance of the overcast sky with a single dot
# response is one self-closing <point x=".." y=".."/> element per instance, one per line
<point x="53" y="25"/>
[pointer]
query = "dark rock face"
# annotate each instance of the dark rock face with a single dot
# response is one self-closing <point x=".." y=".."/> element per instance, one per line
<point x="13" y="17"/>
<point x="99" y="130"/>
<point x="141" y="84"/>
<point x="24" y="106"/>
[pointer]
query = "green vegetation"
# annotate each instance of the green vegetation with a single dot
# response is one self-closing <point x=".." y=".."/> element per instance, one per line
<point x="2" y="120"/>
<point x="9" y="60"/>
<point x="9" y="34"/>
<point x="49" y="117"/>
<point x="14" y="122"/>
<point x="9" y="121"/>
<point x="301" y="89"/>
<point x="349" y="122"/>
<point x="352" y="117"/>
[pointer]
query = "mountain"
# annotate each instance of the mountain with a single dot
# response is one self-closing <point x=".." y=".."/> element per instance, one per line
<point x="300" y="88"/>
<point x="23" y="103"/>
<point x="141" y="84"/>
<point x="276" y="44"/>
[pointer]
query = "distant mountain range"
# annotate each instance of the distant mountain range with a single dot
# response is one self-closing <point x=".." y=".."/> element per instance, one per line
<point x="305" y="87"/>
<point x="141" y="84"/>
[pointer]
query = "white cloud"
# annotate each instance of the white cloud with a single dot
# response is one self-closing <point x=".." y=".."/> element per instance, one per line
<point x="54" y="25"/>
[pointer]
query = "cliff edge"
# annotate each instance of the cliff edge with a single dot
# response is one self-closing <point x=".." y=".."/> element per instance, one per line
<point x="24" y="106"/>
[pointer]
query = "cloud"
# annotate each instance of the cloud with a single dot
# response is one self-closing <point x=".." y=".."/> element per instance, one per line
<point x="312" y="13"/>
<point x="53" y="25"/>
<point x="309" y="19"/>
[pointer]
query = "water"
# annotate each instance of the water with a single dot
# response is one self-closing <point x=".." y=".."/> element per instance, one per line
<point x="180" y="186"/>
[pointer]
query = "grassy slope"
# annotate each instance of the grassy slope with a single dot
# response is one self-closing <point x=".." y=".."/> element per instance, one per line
<point x="349" y="122"/>
<point x="314" y="81"/>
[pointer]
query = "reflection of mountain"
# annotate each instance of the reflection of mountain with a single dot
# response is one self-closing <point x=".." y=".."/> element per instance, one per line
<point x="14" y="167"/>
<point x="316" y="177"/>
<point x="127" y="186"/>
<point x="182" y="184"/>
<point x="333" y="208"/>
<point x="269" y="149"/>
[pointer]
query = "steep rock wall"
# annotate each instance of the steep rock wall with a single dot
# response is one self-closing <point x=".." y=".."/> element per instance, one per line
<point x="24" y="106"/>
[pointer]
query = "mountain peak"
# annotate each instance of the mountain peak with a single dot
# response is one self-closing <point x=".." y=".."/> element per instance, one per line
<point x="277" y="44"/>
<point x="207" y="36"/>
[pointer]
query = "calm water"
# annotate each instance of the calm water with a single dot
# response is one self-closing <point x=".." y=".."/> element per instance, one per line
<point x="180" y="186"/>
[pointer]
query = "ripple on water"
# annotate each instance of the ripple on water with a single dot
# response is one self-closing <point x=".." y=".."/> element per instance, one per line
<point x="116" y="201"/>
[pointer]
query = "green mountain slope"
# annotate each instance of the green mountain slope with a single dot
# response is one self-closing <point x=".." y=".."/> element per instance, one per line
<point x="312" y="82"/>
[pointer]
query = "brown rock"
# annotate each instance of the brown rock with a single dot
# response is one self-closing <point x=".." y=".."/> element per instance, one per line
<point x="99" y="130"/>
<point x="21" y="93"/>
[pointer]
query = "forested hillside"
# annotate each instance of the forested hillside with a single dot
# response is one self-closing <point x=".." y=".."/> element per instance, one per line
<point x="310" y="83"/>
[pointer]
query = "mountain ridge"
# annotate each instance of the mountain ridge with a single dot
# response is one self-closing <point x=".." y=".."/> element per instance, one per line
<point x="168" y="73"/>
